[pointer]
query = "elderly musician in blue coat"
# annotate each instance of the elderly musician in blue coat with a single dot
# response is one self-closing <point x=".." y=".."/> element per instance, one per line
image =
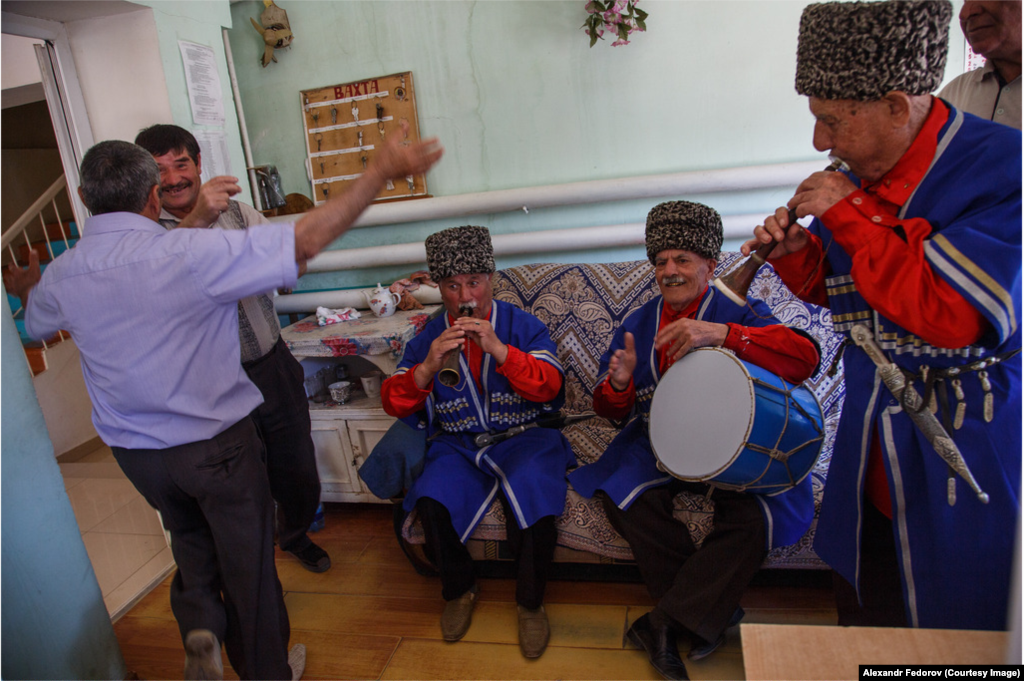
<point x="508" y="375"/>
<point x="917" y="252"/>
<point x="697" y="590"/>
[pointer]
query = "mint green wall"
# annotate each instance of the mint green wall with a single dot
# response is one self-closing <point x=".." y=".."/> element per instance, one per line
<point x="55" y="625"/>
<point x="198" y="22"/>
<point x="519" y="99"/>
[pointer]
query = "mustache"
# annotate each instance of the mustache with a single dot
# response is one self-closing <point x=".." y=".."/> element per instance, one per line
<point x="174" y="187"/>
<point x="673" y="279"/>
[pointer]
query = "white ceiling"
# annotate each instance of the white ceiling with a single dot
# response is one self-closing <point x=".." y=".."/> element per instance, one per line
<point x="61" y="10"/>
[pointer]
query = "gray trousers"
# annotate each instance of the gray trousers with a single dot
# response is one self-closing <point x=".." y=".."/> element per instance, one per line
<point x="215" y="501"/>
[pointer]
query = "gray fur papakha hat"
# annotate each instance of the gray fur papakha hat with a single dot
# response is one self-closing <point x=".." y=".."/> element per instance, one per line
<point x="683" y="226"/>
<point x="459" y="250"/>
<point x="863" y="50"/>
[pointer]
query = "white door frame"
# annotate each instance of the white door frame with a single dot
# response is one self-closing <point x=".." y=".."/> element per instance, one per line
<point x="63" y="96"/>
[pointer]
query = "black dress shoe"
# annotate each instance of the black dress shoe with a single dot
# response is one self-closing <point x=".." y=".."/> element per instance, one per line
<point x="660" y="644"/>
<point x="702" y="648"/>
<point x="313" y="558"/>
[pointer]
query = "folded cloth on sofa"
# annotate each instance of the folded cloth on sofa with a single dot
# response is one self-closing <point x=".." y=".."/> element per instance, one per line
<point x="395" y="462"/>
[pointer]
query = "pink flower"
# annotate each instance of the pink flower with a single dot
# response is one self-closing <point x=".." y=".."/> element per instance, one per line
<point x="341" y="346"/>
<point x="620" y="41"/>
<point x="620" y="6"/>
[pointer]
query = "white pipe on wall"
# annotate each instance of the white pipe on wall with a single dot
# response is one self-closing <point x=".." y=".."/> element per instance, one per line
<point x="594" y="191"/>
<point x="576" y="193"/>
<point x="298" y="303"/>
<point x="553" y="240"/>
<point x="237" y="96"/>
<point x="414" y="254"/>
<point x="583" y="238"/>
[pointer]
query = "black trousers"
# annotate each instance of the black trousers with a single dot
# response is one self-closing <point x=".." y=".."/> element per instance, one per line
<point x="283" y="423"/>
<point x="881" y="601"/>
<point x="533" y="548"/>
<point x="214" y="499"/>
<point x="698" y="588"/>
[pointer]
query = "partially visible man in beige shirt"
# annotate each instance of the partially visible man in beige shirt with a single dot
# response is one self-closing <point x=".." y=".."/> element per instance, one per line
<point x="993" y="29"/>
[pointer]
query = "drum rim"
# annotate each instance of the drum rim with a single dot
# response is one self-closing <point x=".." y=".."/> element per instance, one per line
<point x="710" y="477"/>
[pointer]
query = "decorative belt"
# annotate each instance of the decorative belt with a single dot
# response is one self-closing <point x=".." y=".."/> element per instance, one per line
<point x="934" y="381"/>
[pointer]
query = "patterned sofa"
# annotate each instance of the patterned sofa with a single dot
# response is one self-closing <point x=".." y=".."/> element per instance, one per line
<point x="582" y="305"/>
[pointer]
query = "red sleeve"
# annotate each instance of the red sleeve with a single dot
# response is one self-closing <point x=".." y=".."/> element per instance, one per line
<point x="804" y="272"/>
<point x="776" y="348"/>
<point x="894" y="276"/>
<point x="532" y="378"/>
<point x="611" y="404"/>
<point x="401" y="397"/>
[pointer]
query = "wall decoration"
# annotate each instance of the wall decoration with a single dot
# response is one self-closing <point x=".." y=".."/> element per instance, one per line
<point x="275" y="29"/>
<point x="345" y="126"/>
<point x="618" y="17"/>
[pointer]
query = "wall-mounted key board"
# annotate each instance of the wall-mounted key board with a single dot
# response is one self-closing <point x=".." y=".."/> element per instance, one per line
<point x="347" y="124"/>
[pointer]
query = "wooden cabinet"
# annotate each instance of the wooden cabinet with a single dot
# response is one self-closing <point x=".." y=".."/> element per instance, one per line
<point x="344" y="435"/>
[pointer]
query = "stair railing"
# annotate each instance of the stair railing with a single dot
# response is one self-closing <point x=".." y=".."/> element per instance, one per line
<point x="35" y="211"/>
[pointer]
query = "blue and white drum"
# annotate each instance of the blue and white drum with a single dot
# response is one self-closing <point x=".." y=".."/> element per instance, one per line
<point x="717" y="419"/>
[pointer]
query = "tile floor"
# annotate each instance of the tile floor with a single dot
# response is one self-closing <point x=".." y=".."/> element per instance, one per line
<point x="121" y="532"/>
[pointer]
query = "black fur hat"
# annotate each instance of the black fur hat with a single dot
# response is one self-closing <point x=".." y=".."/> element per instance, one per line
<point x="459" y="250"/>
<point x="863" y="50"/>
<point x="684" y="226"/>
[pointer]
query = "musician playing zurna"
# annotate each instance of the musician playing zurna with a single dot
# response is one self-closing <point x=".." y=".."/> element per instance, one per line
<point x="697" y="589"/>
<point x="920" y="245"/>
<point x="508" y="375"/>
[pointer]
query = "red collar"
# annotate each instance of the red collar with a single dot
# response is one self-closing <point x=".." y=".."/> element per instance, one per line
<point x="896" y="186"/>
<point x="668" y="315"/>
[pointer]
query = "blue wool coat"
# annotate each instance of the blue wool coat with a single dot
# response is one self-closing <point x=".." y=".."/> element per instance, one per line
<point x="628" y="467"/>
<point x="955" y="561"/>
<point x="529" y="468"/>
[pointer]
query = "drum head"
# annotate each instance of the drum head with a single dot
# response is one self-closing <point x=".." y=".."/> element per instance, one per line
<point x="701" y="414"/>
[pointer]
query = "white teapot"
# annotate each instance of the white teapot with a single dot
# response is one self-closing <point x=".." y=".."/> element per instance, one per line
<point x="382" y="301"/>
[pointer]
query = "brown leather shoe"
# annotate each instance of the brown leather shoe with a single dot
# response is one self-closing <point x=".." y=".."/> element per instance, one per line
<point x="457" y="615"/>
<point x="534" y="631"/>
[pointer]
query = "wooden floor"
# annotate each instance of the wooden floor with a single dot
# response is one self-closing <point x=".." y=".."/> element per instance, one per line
<point x="372" y="617"/>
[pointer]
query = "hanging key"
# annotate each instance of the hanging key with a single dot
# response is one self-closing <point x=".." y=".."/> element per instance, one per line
<point x="334" y="116"/>
<point x="316" y="117"/>
<point x="321" y="167"/>
<point x="325" y="189"/>
<point x="961" y="405"/>
<point x="355" y="113"/>
<point x="380" y="129"/>
<point x="988" y="406"/>
<point x="363" y="159"/>
<point x="390" y="185"/>
<point x="380" y="111"/>
<point x="319" y="138"/>
<point x="412" y="185"/>
<point x="360" y="139"/>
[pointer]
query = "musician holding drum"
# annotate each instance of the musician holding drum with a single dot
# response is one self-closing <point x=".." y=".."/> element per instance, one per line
<point x="697" y="590"/>
<point x="917" y="251"/>
<point x="505" y="374"/>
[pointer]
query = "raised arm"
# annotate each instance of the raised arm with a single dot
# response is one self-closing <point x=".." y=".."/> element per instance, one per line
<point x="398" y="159"/>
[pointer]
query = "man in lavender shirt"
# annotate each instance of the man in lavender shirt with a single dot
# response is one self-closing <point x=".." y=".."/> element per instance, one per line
<point x="154" y="315"/>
